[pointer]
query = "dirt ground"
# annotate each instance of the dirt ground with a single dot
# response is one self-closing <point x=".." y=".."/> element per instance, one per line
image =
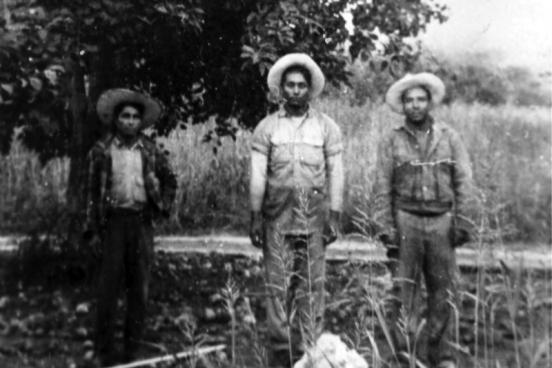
<point x="47" y="307"/>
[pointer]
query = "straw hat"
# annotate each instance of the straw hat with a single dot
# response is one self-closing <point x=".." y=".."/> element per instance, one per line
<point x="274" y="79"/>
<point x="428" y="80"/>
<point x="113" y="97"/>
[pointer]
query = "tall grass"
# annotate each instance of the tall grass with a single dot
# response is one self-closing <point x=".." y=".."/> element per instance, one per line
<point x="30" y="194"/>
<point x="502" y="318"/>
<point x="510" y="148"/>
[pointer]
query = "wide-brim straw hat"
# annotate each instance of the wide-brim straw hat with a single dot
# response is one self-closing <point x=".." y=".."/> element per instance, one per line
<point x="274" y="79"/>
<point x="430" y="81"/>
<point x="113" y="97"/>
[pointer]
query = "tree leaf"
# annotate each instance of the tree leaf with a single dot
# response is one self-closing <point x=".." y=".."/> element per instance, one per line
<point x="7" y="87"/>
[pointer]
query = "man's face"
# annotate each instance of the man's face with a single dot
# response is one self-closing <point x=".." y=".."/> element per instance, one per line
<point x="416" y="104"/>
<point x="295" y="89"/>
<point x="129" y="121"/>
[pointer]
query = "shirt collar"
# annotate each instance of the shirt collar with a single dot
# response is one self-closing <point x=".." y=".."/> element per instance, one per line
<point x="117" y="142"/>
<point x="437" y="130"/>
<point x="404" y="126"/>
<point x="282" y="113"/>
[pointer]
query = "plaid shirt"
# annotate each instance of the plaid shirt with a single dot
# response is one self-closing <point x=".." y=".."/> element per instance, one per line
<point x="100" y="179"/>
<point x="427" y="183"/>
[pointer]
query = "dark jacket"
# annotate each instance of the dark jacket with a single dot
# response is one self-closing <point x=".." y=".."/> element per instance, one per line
<point x="426" y="183"/>
<point x="159" y="199"/>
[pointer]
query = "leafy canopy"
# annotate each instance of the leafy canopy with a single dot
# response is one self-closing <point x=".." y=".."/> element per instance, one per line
<point x="200" y="58"/>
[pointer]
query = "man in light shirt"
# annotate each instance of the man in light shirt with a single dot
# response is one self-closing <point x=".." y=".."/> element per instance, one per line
<point x="129" y="182"/>
<point x="296" y="194"/>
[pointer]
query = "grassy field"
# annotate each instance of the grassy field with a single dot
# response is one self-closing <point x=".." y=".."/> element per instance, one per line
<point x="510" y="148"/>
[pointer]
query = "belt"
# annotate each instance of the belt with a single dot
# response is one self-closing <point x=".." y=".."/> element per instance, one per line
<point x="423" y="208"/>
<point x="122" y="211"/>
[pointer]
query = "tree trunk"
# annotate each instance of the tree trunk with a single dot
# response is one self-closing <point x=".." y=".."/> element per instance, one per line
<point x="77" y="151"/>
<point x="86" y="129"/>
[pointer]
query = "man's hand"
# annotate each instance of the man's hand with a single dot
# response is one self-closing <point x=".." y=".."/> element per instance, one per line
<point x="460" y="237"/>
<point x="333" y="228"/>
<point x="389" y="239"/>
<point x="391" y="242"/>
<point x="462" y="230"/>
<point x="153" y="181"/>
<point x="256" y="229"/>
<point x="153" y="187"/>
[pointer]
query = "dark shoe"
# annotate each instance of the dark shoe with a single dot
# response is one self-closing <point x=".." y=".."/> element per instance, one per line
<point x="398" y="361"/>
<point x="404" y="359"/>
<point x="279" y="358"/>
<point x="107" y="360"/>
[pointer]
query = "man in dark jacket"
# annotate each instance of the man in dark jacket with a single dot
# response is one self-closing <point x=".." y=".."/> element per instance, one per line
<point x="129" y="182"/>
<point x="423" y="191"/>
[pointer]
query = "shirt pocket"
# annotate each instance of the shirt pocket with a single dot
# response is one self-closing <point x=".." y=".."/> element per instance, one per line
<point x="406" y="174"/>
<point x="312" y="163"/>
<point x="281" y="153"/>
<point x="311" y="155"/>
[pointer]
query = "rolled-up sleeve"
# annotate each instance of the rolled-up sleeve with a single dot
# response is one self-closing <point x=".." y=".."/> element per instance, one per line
<point x="258" y="180"/>
<point x="333" y="143"/>
<point x="260" y="148"/>
<point x="260" y="141"/>
<point x="333" y="148"/>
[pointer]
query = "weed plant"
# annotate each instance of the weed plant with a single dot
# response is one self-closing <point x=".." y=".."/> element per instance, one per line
<point x="502" y="317"/>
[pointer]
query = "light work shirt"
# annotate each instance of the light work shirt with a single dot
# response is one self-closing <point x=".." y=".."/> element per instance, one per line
<point x="127" y="187"/>
<point x="297" y="171"/>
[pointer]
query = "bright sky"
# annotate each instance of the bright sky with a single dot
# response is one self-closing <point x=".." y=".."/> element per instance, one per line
<point x="520" y="30"/>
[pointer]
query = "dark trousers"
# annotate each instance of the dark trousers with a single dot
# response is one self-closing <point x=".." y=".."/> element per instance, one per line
<point x="127" y="256"/>
<point x="295" y="269"/>
<point x="425" y="249"/>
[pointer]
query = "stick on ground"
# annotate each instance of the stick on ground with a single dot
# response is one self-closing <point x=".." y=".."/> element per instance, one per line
<point x="172" y="357"/>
